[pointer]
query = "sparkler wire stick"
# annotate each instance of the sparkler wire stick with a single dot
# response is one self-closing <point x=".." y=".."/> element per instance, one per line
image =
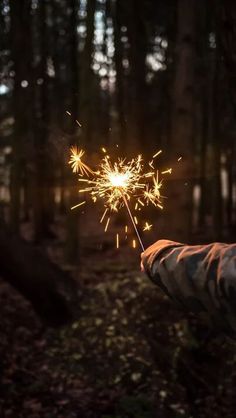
<point x="133" y="222"/>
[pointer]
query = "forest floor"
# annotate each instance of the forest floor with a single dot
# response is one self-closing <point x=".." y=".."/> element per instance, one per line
<point x="129" y="353"/>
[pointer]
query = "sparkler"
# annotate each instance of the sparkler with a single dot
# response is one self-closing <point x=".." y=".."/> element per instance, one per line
<point x="116" y="183"/>
<point x="119" y="182"/>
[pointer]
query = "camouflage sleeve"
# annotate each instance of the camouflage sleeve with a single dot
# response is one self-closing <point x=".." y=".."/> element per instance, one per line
<point x="200" y="278"/>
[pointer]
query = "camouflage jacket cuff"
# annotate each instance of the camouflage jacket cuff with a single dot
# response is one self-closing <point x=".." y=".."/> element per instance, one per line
<point x="157" y="250"/>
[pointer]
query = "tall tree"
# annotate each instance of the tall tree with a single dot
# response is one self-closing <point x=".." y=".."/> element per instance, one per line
<point x="20" y="13"/>
<point x="43" y="200"/>
<point x="137" y="35"/>
<point x="118" y="59"/>
<point x="72" y="247"/>
<point x="183" y="105"/>
<point x="86" y="81"/>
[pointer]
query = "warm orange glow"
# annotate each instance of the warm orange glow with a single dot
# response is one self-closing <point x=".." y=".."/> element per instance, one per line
<point x="147" y="227"/>
<point x="120" y="183"/>
<point x="117" y="241"/>
<point x="79" y="204"/>
<point x="77" y="165"/>
<point x="158" y="153"/>
<point x="168" y="171"/>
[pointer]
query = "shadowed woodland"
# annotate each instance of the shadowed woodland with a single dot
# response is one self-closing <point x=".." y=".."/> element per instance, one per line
<point x="83" y="332"/>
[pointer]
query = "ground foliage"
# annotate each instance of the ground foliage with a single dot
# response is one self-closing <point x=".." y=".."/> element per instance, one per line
<point x="129" y="353"/>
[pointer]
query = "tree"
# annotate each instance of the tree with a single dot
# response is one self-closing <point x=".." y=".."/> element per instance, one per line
<point x="21" y="48"/>
<point x="86" y="80"/>
<point x="182" y="136"/>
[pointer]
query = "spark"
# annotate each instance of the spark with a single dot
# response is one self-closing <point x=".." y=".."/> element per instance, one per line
<point x="151" y="164"/>
<point x="104" y="150"/>
<point x="117" y="241"/>
<point x="103" y="216"/>
<point x="157" y="153"/>
<point x="152" y="193"/>
<point x="136" y="220"/>
<point x="77" y="165"/>
<point x="147" y="227"/>
<point x="126" y="229"/>
<point x="180" y="158"/>
<point x="79" y="204"/>
<point x="168" y="171"/>
<point x="134" y="243"/>
<point x="107" y="224"/>
<point x="78" y="123"/>
<point x="141" y="203"/>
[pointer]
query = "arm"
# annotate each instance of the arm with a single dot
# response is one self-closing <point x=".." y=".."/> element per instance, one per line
<point x="199" y="278"/>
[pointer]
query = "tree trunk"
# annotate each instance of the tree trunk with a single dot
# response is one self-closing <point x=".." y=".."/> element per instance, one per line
<point x="137" y="78"/>
<point x="86" y="81"/>
<point x="72" y="218"/>
<point x="216" y="142"/>
<point x="43" y="181"/>
<point x="36" y="277"/>
<point x="118" y="57"/>
<point x="179" y="204"/>
<point x="21" y="56"/>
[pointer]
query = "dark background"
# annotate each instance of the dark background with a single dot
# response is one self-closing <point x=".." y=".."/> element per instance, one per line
<point x="146" y="75"/>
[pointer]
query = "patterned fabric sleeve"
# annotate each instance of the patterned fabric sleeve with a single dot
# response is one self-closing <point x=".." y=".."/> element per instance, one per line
<point x="201" y="278"/>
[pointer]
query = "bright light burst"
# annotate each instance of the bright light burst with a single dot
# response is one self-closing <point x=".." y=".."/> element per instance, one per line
<point x="77" y="165"/>
<point x="114" y="181"/>
<point x="118" y="184"/>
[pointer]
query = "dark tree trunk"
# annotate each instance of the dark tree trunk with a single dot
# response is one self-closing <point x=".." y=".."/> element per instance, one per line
<point x="137" y="34"/>
<point x="118" y="57"/>
<point x="72" y="241"/>
<point x="43" y="179"/>
<point x="180" y="188"/>
<point x="86" y="81"/>
<point x="21" y="56"/>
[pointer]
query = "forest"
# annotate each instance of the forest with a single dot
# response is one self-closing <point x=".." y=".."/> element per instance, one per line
<point x="83" y="332"/>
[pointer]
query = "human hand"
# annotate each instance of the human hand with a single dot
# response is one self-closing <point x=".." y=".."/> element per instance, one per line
<point x="152" y="252"/>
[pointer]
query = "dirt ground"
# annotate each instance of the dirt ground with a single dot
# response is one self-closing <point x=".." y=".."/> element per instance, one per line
<point x="129" y="353"/>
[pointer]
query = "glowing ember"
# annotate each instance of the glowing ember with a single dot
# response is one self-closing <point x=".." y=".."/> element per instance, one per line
<point x="157" y="153"/>
<point x="168" y="171"/>
<point x="152" y="193"/>
<point x="79" y="204"/>
<point x="117" y="241"/>
<point x="77" y="165"/>
<point x="107" y="224"/>
<point x="147" y="227"/>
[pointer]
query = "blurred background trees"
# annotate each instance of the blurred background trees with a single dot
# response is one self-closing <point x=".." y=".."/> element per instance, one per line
<point x="143" y="74"/>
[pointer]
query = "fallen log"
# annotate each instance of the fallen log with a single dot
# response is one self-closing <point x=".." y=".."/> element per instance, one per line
<point x="36" y="277"/>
